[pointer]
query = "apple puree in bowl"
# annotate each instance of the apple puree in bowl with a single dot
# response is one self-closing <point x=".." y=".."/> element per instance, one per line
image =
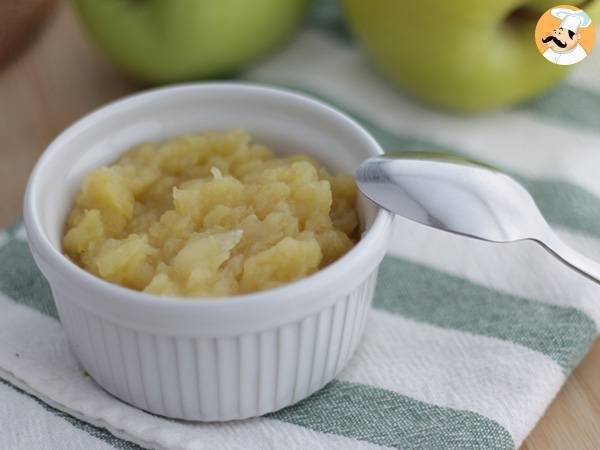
<point x="210" y="214"/>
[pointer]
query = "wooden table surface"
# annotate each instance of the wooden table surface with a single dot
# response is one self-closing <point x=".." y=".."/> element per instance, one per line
<point x="61" y="77"/>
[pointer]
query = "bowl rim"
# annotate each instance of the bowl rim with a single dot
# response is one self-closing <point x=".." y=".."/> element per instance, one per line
<point x="40" y="243"/>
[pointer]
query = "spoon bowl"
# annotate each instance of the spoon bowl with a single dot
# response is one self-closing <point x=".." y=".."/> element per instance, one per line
<point x="462" y="196"/>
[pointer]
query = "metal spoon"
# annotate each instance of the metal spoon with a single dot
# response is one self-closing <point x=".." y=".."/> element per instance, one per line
<point x="464" y="197"/>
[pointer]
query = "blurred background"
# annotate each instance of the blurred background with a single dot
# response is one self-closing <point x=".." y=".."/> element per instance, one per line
<point x="458" y="76"/>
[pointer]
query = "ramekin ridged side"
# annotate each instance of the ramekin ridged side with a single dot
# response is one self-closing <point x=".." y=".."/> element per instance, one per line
<point x="218" y="378"/>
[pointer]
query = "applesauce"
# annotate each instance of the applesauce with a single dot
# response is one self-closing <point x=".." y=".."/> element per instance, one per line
<point x="210" y="214"/>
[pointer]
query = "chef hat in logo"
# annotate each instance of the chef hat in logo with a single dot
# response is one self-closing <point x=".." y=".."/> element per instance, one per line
<point x="571" y="20"/>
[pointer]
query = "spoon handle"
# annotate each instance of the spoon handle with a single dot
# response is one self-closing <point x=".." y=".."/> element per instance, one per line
<point x="573" y="259"/>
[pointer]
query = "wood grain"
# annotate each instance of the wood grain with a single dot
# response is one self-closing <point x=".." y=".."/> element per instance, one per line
<point x="62" y="76"/>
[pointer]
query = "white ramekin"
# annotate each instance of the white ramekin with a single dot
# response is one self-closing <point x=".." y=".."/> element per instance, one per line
<point x="207" y="359"/>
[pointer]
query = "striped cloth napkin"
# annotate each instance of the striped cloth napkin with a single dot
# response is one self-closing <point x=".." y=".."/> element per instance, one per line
<point x="467" y="343"/>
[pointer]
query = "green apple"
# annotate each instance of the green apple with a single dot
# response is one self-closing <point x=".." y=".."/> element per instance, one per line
<point x="161" y="41"/>
<point x="467" y="55"/>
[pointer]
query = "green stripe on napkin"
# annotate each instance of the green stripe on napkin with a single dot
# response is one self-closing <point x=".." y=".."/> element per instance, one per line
<point x="386" y="418"/>
<point x="21" y="280"/>
<point x="426" y="295"/>
<point x="574" y="106"/>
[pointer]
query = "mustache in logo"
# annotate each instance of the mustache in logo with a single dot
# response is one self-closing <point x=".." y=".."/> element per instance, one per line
<point x="555" y="40"/>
